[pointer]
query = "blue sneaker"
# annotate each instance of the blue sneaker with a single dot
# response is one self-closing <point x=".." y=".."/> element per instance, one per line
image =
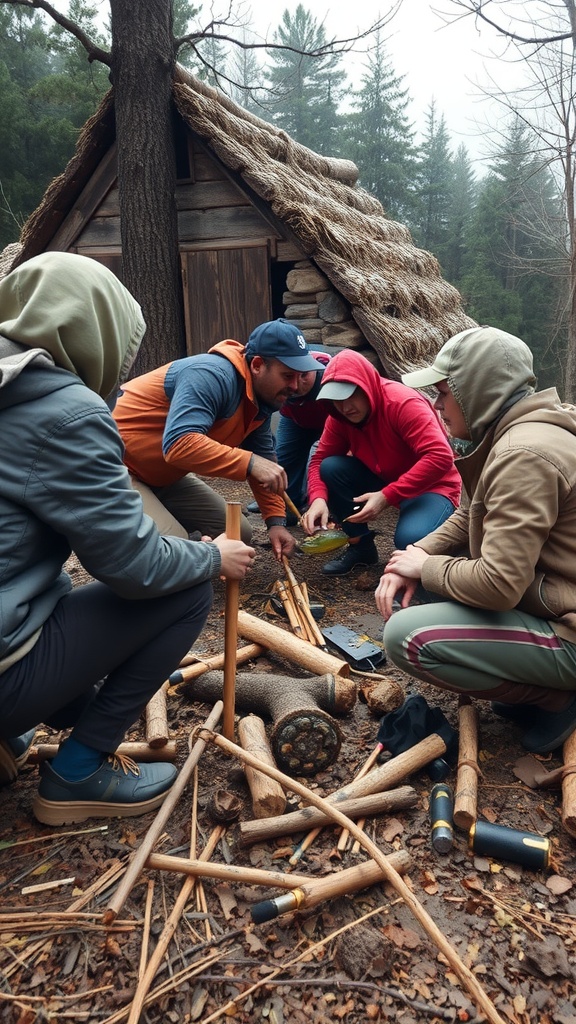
<point x="13" y="754"/>
<point x="120" y="788"/>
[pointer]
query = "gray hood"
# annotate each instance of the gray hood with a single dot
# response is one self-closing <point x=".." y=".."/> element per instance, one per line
<point x="72" y="312"/>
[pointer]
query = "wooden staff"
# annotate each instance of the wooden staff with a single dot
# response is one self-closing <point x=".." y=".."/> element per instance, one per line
<point x="257" y="830"/>
<point x="569" y="785"/>
<point x="289" y="647"/>
<point x="268" y="797"/>
<point x="335" y="884"/>
<point x="466" y="793"/>
<point x="233" y="509"/>
<point x="157" y="731"/>
<point x="470" y="980"/>
<point x="173" y="795"/>
<point x="304" y="608"/>
<point x="314" y="891"/>
<point x="202" y="665"/>
<point x="290" y="505"/>
<point x="138" y="751"/>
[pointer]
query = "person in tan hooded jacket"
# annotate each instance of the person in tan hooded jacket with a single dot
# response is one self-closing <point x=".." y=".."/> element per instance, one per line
<point x="501" y="570"/>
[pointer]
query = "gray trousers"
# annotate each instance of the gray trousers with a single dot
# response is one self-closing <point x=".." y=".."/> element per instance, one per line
<point x="467" y="649"/>
<point x="187" y="505"/>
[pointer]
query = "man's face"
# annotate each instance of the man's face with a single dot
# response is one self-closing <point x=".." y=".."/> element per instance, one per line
<point x="450" y="412"/>
<point x="306" y="382"/>
<point x="356" y="408"/>
<point x="273" y="381"/>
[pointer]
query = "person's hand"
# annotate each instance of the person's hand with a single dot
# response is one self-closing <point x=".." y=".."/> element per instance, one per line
<point x="282" y="542"/>
<point x="407" y="563"/>
<point x="373" y="503"/>
<point x="269" y="474"/>
<point x="237" y="558"/>
<point x="391" y="584"/>
<point x="316" y="517"/>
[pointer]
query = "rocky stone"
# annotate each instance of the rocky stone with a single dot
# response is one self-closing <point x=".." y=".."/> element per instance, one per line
<point x="332" y="308"/>
<point x="306" y="281"/>
<point x="347" y="335"/>
<point x="303" y="311"/>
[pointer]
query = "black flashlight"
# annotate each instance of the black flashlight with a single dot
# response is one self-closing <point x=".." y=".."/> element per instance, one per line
<point x="441" y="807"/>
<point x="526" y="848"/>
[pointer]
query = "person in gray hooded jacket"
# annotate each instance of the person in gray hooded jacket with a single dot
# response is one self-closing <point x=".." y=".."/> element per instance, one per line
<point x="90" y="657"/>
<point x="502" y="568"/>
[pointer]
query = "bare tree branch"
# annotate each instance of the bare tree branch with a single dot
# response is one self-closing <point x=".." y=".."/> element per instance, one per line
<point x="476" y="8"/>
<point x="334" y="46"/>
<point x="94" y="52"/>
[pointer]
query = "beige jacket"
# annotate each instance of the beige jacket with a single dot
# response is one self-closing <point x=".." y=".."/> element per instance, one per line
<point x="516" y="534"/>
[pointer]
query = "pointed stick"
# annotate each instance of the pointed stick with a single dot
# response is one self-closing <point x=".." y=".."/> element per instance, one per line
<point x="172" y="797"/>
<point x="233" y="509"/>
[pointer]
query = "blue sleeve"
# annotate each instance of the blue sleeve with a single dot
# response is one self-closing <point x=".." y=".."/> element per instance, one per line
<point x="201" y="392"/>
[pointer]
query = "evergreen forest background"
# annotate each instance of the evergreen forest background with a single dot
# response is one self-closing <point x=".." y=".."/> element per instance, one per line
<point x="500" y="238"/>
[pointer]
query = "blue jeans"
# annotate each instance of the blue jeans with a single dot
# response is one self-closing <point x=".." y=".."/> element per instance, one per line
<point x="346" y="476"/>
<point x="293" y="448"/>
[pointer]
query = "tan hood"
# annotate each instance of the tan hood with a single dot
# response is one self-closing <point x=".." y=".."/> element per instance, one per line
<point x="76" y="310"/>
<point x="487" y="371"/>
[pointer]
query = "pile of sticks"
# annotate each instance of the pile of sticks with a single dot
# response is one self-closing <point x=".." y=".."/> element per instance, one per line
<point x="294" y="597"/>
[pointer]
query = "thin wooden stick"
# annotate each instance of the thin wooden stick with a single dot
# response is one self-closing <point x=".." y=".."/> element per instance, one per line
<point x="463" y="972"/>
<point x="290" y="505"/>
<point x="361" y="876"/>
<point x="202" y="665"/>
<point x="146" y="930"/>
<point x="233" y="509"/>
<point x="466" y="795"/>
<point x="569" y="786"/>
<point x="370" y="760"/>
<point x="157" y="731"/>
<point x="302" y="604"/>
<point x="168" y="931"/>
<point x="172" y="797"/>
<point x="138" y="750"/>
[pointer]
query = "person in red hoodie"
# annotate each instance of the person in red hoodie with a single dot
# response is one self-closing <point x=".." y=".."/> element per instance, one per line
<point x="382" y="445"/>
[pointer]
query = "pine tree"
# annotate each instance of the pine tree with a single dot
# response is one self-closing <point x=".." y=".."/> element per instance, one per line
<point x="435" y="186"/>
<point x="379" y="136"/>
<point x="511" y="278"/>
<point x="306" y="90"/>
<point x="460" y="215"/>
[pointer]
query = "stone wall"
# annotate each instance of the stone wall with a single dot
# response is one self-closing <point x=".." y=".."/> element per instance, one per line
<point x="321" y="313"/>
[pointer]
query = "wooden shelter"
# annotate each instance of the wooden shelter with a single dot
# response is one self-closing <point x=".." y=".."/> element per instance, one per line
<point x="267" y="228"/>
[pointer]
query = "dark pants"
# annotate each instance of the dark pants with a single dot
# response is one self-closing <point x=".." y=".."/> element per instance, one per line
<point x="293" y="445"/>
<point x="346" y="477"/>
<point x="98" y="662"/>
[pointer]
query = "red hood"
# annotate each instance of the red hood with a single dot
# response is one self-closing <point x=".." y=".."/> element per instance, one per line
<point x="351" y="367"/>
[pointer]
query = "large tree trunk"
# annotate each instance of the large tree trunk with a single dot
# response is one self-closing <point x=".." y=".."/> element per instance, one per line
<point x="142" y="71"/>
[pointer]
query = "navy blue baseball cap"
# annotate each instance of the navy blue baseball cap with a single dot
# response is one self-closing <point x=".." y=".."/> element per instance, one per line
<point x="281" y="339"/>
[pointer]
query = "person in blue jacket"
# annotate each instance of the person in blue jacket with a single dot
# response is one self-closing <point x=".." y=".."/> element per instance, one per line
<point x="87" y="658"/>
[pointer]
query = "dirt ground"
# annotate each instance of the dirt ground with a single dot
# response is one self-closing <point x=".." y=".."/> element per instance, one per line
<point x="360" y="956"/>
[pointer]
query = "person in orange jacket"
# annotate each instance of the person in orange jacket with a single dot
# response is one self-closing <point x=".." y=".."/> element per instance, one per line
<point x="208" y="415"/>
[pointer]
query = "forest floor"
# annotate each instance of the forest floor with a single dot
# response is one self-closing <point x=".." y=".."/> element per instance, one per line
<point x="361" y="956"/>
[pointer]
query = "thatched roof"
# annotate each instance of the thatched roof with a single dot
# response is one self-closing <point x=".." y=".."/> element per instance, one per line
<point x="398" y="298"/>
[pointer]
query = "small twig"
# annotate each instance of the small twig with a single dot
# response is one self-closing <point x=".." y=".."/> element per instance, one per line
<point x="146" y="930"/>
<point x="335" y="983"/>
